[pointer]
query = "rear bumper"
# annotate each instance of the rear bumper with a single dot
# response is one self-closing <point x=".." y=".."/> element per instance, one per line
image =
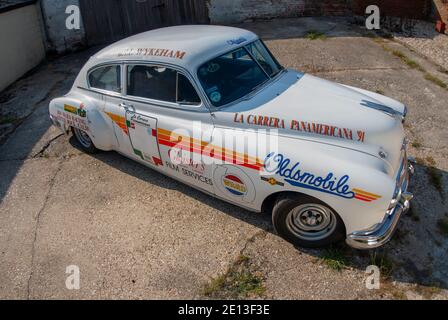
<point x="59" y="124"/>
<point x="381" y="233"/>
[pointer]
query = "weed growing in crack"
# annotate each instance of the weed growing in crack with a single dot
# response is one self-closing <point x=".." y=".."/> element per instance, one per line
<point x="335" y="258"/>
<point x="315" y="35"/>
<point x="436" y="80"/>
<point x="383" y="262"/>
<point x="239" y="282"/>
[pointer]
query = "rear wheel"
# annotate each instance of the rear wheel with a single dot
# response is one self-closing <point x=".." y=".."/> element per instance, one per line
<point x="306" y="221"/>
<point x="84" y="140"/>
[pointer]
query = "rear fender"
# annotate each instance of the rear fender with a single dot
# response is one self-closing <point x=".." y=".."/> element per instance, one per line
<point x="73" y="111"/>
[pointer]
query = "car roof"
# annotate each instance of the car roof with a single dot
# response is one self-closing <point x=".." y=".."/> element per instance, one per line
<point x="187" y="45"/>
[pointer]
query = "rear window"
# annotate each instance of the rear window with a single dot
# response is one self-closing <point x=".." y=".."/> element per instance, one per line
<point x="106" y="78"/>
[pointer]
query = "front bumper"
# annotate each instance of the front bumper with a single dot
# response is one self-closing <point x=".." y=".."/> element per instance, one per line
<point x="381" y="233"/>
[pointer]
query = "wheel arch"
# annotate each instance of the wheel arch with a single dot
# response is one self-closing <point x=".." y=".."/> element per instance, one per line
<point x="269" y="201"/>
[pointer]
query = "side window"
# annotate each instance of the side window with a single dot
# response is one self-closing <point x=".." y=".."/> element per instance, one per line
<point x="106" y="78"/>
<point x="160" y="83"/>
<point x="186" y="93"/>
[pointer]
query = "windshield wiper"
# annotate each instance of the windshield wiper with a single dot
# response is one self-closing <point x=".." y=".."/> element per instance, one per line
<point x="278" y="72"/>
<point x="254" y="89"/>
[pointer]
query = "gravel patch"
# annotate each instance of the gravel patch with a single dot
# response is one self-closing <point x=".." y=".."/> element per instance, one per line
<point x="425" y="40"/>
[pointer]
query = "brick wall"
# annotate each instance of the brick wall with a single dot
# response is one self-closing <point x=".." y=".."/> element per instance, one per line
<point x="230" y="11"/>
<point x="413" y="9"/>
<point x="327" y="8"/>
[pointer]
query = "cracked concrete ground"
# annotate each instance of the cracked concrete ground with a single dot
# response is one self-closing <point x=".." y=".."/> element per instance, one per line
<point x="137" y="234"/>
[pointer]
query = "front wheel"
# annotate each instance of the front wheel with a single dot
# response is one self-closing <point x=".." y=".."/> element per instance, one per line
<point x="84" y="140"/>
<point x="306" y="221"/>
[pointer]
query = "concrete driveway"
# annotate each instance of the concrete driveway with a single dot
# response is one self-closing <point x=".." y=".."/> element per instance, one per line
<point x="135" y="234"/>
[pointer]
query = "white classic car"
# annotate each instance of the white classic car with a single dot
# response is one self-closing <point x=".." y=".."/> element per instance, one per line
<point x="212" y="107"/>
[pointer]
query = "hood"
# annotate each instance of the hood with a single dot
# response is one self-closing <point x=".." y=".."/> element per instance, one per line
<point x="312" y="108"/>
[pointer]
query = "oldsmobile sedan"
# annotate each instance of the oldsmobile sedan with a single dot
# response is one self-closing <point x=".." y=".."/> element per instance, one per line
<point x="212" y="107"/>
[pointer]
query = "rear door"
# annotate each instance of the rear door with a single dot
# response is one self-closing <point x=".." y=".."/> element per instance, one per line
<point x="105" y="81"/>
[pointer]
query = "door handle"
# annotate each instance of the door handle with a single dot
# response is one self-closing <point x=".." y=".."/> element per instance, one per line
<point x="126" y="106"/>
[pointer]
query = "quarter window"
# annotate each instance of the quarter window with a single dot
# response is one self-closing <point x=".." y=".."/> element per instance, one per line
<point x="106" y="78"/>
<point x="186" y="93"/>
<point x="160" y="83"/>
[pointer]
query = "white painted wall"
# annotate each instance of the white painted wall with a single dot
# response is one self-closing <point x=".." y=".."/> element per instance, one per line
<point x="22" y="43"/>
<point x="59" y="38"/>
<point x="230" y="11"/>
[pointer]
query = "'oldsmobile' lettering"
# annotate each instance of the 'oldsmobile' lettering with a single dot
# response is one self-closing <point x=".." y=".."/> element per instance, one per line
<point x="293" y="174"/>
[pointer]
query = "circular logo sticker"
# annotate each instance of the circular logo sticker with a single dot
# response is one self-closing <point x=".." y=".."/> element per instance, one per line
<point x="213" y="67"/>
<point x="215" y="96"/>
<point x="234" y="185"/>
<point x="232" y="182"/>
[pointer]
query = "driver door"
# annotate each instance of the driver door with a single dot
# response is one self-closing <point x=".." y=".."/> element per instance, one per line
<point x="167" y="122"/>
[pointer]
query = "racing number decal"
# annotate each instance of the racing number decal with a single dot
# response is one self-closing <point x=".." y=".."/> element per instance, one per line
<point x="143" y="136"/>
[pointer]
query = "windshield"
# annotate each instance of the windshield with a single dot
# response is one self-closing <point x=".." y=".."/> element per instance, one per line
<point x="237" y="73"/>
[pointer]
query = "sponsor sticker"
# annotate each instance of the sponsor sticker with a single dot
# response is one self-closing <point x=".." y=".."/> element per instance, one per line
<point x="236" y="41"/>
<point x="73" y="117"/>
<point x="272" y="181"/>
<point x="232" y="182"/>
<point x="76" y="111"/>
<point x="234" y="185"/>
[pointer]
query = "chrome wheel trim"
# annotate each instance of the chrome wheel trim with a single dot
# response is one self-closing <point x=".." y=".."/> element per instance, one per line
<point x="83" y="138"/>
<point x="311" y="222"/>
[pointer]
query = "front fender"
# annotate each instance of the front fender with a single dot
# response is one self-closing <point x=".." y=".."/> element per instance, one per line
<point x="356" y="185"/>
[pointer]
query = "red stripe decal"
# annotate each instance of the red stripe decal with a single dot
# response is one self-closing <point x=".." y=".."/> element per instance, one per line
<point x="362" y="198"/>
<point x="211" y="154"/>
<point x="233" y="178"/>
